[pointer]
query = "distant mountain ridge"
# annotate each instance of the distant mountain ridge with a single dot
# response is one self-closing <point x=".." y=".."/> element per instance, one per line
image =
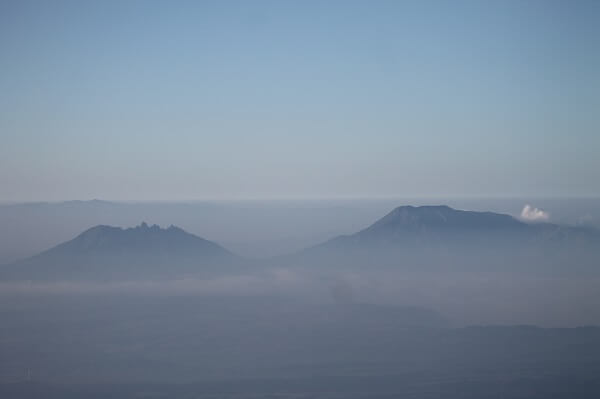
<point x="442" y="216"/>
<point x="441" y="220"/>
<point x="143" y="237"/>
<point x="113" y="253"/>
<point x="408" y="237"/>
<point x="436" y="234"/>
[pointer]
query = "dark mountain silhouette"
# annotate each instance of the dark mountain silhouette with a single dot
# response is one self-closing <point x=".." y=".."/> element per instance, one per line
<point x="143" y="238"/>
<point x="113" y="253"/>
<point x="439" y="235"/>
<point x="422" y="238"/>
<point x="442" y="222"/>
<point x="439" y="220"/>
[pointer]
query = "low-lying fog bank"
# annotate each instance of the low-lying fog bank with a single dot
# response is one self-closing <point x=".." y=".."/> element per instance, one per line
<point x="463" y="298"/>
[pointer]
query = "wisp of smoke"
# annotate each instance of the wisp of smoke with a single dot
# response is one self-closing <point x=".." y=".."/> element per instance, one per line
<point x="533" y="214"/>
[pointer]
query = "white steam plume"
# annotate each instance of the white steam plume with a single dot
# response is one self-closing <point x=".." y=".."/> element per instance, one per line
<point x="533" y="214"/>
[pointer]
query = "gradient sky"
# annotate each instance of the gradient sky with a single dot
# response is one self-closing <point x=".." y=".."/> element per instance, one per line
<point x="191" y="100"/>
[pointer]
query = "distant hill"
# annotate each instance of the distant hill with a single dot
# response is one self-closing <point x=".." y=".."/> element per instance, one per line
<point x="410" y="221"/>
<point x="429" y="238"/>
<point x="113" y="253"/>
<point x="433" y="237"/>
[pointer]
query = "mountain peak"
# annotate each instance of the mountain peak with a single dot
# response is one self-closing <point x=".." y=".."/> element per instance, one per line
<point x="142" y="238"/>
<point x="107" y="252"/>
<point x="442" y="217"/>
<point x="141" y="228"/>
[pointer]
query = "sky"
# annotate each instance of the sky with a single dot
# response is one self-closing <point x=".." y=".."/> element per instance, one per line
<point x="177" y="100"/>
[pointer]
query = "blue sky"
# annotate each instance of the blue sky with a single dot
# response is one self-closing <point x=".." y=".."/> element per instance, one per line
<point x="193" y="100"/>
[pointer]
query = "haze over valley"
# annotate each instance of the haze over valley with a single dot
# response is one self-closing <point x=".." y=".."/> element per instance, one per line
<point x="299" y="199"/>
<point x="428" y="284"/>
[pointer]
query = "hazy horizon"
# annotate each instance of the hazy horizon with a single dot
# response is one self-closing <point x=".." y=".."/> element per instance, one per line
<point x="299" y="199"/>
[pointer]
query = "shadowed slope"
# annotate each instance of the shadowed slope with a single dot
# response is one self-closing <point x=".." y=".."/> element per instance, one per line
<point x="112" y="253"/>
<point x="440" y="236"/>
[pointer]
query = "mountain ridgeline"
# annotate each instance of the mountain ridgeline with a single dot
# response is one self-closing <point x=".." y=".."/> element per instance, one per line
<point x="112" y="253"/>
<point x="425" y="238"/>
<point x="442" y="222"/>
<point x="410" y="306"/>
